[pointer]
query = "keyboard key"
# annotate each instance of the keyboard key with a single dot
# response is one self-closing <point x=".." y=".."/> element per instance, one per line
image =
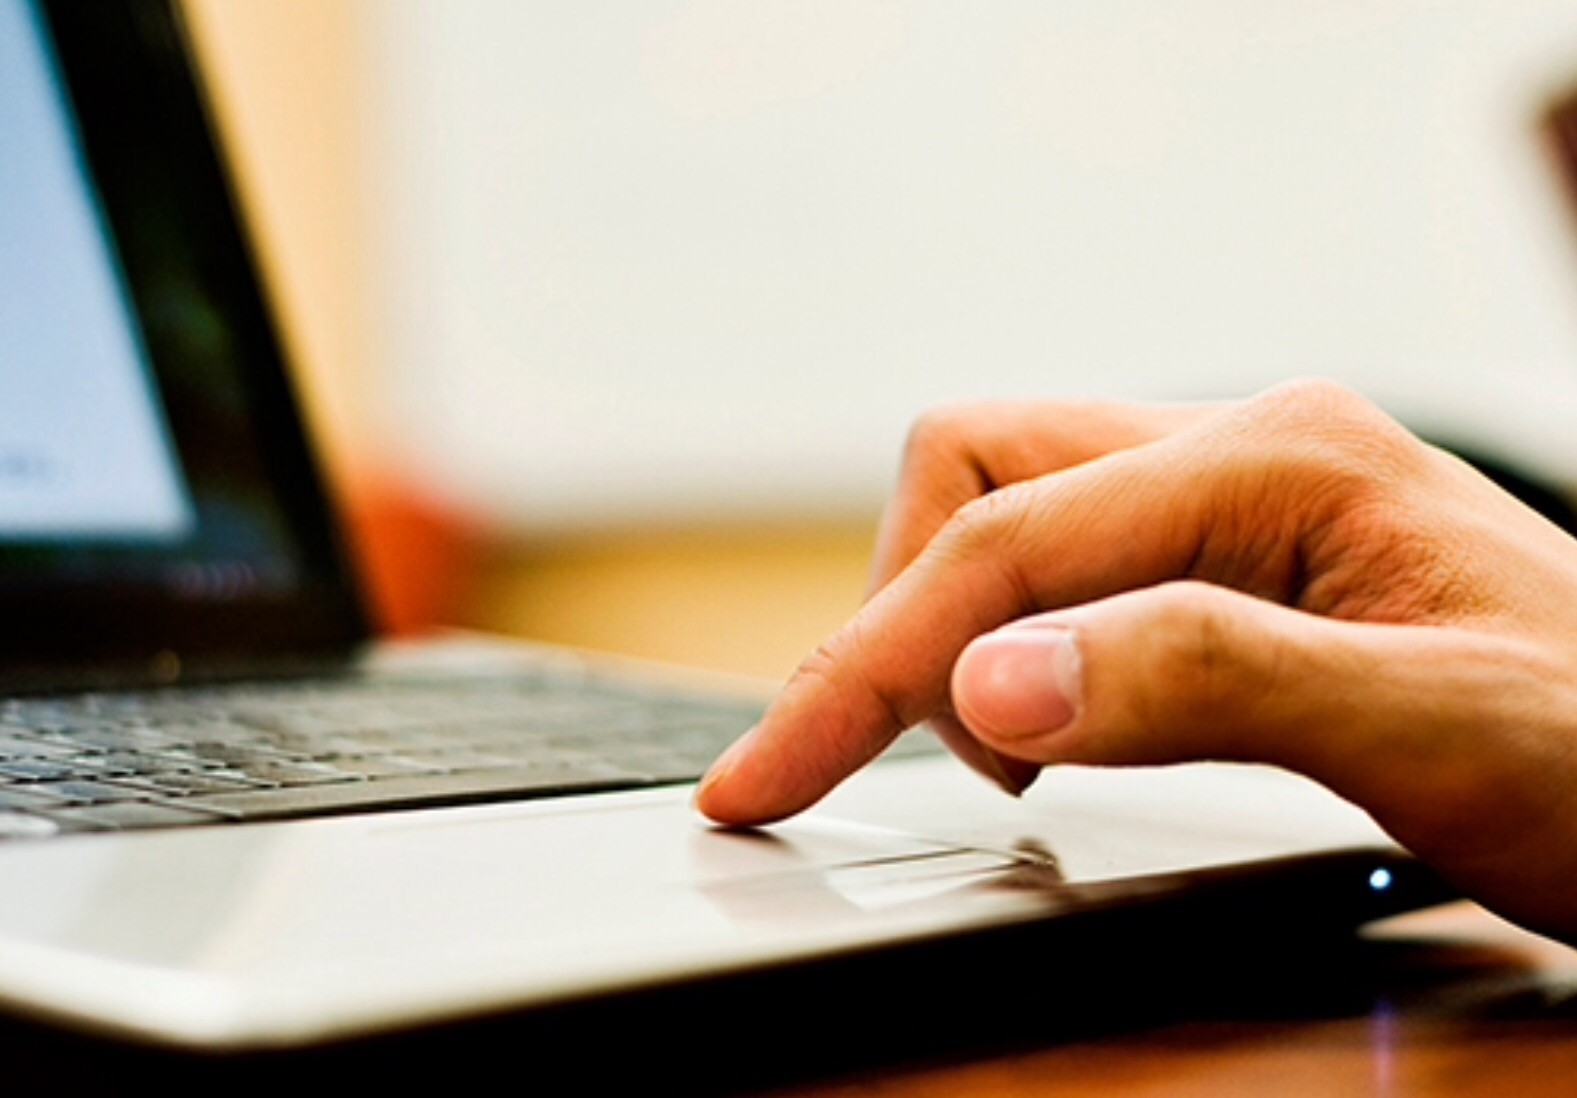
<point x="87" y="791"/>
<point x="26" y="798"/>
<point x="278" y="750"/>
<point x="382" y="766"/>
<point x="416" y="791"/>
<point x="131" y="814"/>
<point x="35" y="769"/>
<point x="286" y="772"/>
<point x="187" y="782"/>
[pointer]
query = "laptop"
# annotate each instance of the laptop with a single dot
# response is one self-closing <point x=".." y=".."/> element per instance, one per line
<point x="234" y="819"/>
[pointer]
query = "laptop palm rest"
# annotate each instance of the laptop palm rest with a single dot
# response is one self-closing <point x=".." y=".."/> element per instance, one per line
<point x="268" y="935"/>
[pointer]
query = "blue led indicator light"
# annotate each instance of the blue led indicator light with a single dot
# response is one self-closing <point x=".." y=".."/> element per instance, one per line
<point x="1380" y="880"/>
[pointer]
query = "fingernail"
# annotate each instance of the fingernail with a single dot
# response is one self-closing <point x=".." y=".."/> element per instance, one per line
<point x="1018" y="683"/>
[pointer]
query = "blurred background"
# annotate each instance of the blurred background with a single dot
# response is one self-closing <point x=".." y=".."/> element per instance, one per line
<point x="612" y="317"/>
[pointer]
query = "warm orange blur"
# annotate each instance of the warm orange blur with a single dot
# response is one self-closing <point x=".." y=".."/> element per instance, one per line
<point x="288" y="79"/>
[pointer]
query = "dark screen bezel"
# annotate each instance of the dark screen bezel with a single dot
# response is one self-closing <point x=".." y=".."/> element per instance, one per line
<point x="148" y="139"/>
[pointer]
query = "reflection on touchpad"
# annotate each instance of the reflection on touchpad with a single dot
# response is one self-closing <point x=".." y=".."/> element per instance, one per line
<point x="843" y="872"/>
<point x="911" y="880"/>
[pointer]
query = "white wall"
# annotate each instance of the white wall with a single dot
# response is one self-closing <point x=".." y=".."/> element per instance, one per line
<point x="703" y="257"/>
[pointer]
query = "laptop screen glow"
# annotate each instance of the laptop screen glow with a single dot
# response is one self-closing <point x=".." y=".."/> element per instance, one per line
<point x="159" y="505"/>
<point x="85" y="451"/>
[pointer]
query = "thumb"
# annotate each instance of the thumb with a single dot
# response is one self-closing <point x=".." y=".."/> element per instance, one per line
<point x="1188" y="671"/>
<point x="1456" y="740"/>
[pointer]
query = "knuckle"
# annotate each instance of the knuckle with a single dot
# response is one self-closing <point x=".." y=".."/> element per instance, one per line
<point x="1331" y="448"/>
<point x="1318" y="397"/>
<point x="1200" y="671"/>
<point x="1341" y="425"/>
<point x="820" y="665"/>
<point x="989" y="543"/>
<point x="988" y="525"/>
<point x="938" y="435"/>
<point x="840" y="667"/>
<point x="1318" y="404"/>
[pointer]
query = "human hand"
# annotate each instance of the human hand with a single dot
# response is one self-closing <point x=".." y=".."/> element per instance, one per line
<point x="1295" y="580"/>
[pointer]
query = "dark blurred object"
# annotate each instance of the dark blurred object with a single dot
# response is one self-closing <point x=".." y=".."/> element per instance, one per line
<point x="1560" y="126"/>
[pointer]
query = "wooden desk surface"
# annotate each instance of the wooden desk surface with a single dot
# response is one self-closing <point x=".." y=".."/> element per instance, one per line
<point x="1447" y="1002"/>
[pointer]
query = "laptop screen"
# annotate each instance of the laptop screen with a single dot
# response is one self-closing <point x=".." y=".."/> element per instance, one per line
<point x="87" y="452"/>
<point x="157" y="504"/>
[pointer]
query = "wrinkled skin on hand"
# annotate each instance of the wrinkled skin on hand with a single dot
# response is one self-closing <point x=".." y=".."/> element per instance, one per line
<point x="1294" y="580"/>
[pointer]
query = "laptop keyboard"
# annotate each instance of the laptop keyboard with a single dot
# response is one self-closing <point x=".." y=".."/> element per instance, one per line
<point x="203" y="755"/>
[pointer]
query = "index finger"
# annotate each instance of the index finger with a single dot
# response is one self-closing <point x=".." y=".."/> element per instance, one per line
<point x="1035" y="546"/>
<point x="957" y="454"/>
